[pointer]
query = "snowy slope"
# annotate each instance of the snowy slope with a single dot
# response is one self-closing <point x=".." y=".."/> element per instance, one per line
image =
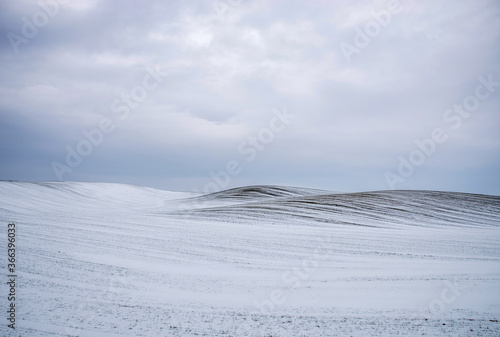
<point x="380" y="209"/>
<point x="100" y="259"/>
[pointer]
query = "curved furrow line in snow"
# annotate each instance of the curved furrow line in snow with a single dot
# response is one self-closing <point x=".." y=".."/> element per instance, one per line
<point x="417" y="208"/>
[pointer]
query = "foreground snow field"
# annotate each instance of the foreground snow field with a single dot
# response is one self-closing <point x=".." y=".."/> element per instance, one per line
<point x="98" y="259"/>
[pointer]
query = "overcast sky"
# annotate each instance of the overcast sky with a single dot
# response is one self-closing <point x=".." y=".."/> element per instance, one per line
<point x="333" y="94"/>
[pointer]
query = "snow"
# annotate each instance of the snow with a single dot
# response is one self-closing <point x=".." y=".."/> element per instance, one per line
<point x="99" y="259"/>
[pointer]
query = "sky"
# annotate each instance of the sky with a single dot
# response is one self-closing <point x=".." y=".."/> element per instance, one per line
<point x="207" y="95"/>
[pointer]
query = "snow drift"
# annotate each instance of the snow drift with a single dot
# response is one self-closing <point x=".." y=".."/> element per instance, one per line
<point x="100" y="259"/>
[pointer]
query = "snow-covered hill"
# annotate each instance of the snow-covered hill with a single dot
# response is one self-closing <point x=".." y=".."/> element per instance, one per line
<point x="98" y="259"/>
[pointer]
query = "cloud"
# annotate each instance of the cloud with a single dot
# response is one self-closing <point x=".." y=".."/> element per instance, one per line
<point x="229" y="64"/>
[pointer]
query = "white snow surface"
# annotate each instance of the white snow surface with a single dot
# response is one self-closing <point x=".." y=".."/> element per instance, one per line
<point x="98" y="259"/>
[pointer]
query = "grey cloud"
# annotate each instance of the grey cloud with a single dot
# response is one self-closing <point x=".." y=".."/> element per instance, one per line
<point x="226" y="75"/>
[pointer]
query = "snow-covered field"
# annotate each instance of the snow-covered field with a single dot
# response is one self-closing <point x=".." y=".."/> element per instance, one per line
<point x="98" y="259"/>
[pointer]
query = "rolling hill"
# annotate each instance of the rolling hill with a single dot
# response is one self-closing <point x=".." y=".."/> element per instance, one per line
<point x="99" y="259"/>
